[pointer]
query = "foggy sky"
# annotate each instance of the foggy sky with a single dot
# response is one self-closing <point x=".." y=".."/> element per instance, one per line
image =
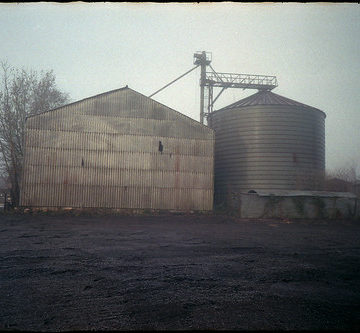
<point x="313" y="49"/>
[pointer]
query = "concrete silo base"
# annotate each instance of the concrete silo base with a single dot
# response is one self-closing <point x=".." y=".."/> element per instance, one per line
<point x="295" y="204"/>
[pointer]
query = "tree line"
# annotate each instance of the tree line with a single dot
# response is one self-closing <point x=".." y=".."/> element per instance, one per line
<point x="23" y="93"/>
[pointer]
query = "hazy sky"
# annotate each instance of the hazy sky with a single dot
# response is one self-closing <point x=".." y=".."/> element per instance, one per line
<point x="313" y="49"/>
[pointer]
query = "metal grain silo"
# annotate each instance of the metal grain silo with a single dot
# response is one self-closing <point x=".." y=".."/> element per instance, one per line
<point x="267" y="142"/>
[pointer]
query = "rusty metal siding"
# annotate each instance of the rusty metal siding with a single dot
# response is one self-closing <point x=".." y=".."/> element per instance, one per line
<point x="104" y="152"/>
<point x="268" y="147"/>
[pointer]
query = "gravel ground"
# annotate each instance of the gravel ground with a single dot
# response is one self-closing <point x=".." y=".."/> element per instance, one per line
<point x="169" y="272"/>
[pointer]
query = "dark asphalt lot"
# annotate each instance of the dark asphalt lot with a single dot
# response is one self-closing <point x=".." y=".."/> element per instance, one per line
<point x="170" y="272"/>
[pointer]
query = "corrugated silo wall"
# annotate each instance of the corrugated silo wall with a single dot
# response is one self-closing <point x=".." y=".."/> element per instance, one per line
<point x="268" y="147"/>
<point x="104" y="152"/>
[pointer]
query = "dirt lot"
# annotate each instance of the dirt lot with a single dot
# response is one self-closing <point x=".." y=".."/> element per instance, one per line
<point x="177" y="272"/>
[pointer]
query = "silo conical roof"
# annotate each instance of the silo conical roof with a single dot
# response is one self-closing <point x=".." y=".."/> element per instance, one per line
<point x="265" y="97"/>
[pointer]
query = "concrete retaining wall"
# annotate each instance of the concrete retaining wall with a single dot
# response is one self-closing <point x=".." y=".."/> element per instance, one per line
<point x="295" y="204"/>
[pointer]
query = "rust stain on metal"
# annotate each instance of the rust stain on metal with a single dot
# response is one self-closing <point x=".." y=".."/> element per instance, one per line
<point x="177" y="167"/>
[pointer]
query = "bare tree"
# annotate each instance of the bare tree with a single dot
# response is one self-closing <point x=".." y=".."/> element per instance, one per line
<point x="345" y="179"/>
<point x="22" y="94"/>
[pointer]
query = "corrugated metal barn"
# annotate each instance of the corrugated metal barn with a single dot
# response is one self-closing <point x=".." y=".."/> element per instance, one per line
<point x="119" y="149"/>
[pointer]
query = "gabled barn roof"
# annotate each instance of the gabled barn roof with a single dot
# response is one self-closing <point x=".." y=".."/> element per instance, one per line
<point x="126" y="88"/>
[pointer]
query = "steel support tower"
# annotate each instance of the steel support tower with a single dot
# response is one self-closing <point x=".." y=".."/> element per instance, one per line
<point x="209" y="80"/>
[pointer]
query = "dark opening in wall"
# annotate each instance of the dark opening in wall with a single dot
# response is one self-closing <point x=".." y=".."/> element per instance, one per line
<point x="161" y="147"/>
